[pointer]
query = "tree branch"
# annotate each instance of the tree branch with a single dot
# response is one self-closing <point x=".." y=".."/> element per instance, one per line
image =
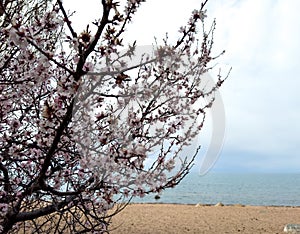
<point x="23" y="216"/>
<point x="49" y="57"/>
<point x="6" y="177"/>
<point x="74" y="34"/>
<point x="92" y="45"/>
<point x="55" y="142"/>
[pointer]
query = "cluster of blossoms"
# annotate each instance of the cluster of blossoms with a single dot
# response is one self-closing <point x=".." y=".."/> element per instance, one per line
<point x="81" y="128"/>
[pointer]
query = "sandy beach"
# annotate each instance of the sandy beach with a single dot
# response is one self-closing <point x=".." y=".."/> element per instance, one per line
<point x="170" y="218"/>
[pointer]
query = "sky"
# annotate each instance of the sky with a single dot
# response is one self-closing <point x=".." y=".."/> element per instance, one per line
<point x="261" y="96"/>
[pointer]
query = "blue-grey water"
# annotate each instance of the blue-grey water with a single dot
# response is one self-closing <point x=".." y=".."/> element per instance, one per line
<point x="247" y="189"/>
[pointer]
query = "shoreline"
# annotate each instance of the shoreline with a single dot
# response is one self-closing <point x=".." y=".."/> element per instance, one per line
<point x="182" y="218"/>
<point x="211" y="204"/>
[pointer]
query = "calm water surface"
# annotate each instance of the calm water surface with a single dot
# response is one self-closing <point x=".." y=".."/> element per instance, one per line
<point x="247" y="189"/>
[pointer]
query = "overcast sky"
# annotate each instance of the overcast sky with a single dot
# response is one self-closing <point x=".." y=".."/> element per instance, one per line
<point x="261" y="96"/>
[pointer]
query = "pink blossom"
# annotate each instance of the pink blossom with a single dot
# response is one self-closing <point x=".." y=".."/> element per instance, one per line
<point x="3" y="208"/>
<point x="88" y="66"/>
<point x="15" y="124"/>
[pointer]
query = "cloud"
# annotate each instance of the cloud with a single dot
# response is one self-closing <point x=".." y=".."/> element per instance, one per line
<point x="231" y="162"/>
<point x="261" y="96"/>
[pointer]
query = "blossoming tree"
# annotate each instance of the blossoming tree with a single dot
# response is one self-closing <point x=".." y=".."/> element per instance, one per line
<point x="82" y="128"/>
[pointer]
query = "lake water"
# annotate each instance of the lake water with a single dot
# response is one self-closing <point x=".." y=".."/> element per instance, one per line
<point x="247" y="189"/>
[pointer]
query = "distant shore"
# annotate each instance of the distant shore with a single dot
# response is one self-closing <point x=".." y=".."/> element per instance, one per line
<point x="178" y="218"/>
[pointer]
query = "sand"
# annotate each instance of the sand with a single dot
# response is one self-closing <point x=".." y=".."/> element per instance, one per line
<point x="170" y="218"/>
